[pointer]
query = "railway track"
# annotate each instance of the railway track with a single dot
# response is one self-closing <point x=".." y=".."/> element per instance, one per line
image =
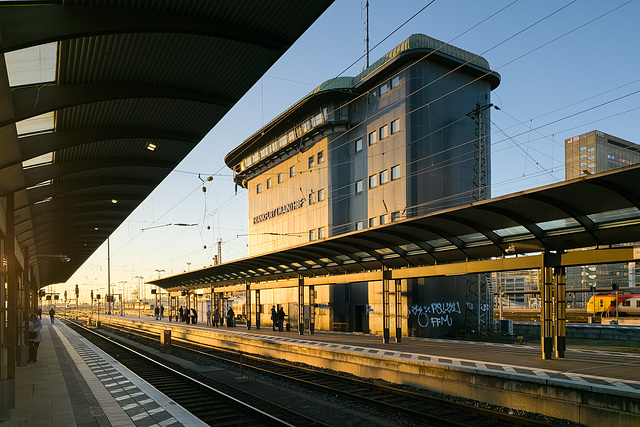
<point x="203" y="401"/>
<point x="414" y="408"/>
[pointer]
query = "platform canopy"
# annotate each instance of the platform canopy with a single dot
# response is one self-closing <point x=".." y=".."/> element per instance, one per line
<point x="101" y="99"/>
<point x="598" y="211"/>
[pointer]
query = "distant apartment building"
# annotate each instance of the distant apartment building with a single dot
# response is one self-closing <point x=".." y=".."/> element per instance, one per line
<point x="399" y="140"/>
<point x="587" y="154"/>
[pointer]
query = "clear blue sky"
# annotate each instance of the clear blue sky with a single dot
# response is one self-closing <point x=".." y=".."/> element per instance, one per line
<point x="562" y="75"/>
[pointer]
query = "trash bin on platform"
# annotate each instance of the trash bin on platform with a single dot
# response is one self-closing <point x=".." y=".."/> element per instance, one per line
<point x="165" y="339"/>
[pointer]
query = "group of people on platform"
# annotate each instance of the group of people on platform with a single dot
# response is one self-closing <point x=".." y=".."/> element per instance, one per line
<point x="277" y="318"/>
<point x="188" y="315"/>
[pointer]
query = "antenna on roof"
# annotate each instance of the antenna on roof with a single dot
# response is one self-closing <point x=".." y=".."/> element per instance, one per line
<point x="367" y="31"/>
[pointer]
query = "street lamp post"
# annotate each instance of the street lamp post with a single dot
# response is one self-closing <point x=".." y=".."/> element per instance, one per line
<point x="122" y="283"/>
<point x="158" y="271"/>
<point x="139" y="299"/>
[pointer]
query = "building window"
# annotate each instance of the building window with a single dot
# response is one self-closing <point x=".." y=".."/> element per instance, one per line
<point x="310" y="198"/>
<point x="384" y="177"/>
<point x="395" y="126"/>
<point x="373" y="95"/>
<point x="395" y="81"/>
<point x="279" y="178"/>
<point x="269" y="183"/>
<point x="292" y="171"/>
<point x="320" y="233"/>
<point x="583" y="156"/>
<point x="583" y="164"/>
<point x="382" y="220"/>
<point x="320" y="157"/>
<point x="395" y="216"/>
<point x="311" y="164"/>
<point x="384" y="132"/>
<point x="583" y="148"/>
<point x="591" y="150"/>
<point x="321" y="195"/>
<point x="259" y="188"/>
<point x="384" y="87"/>
<point x="372" y="222"/>
<point x="359" y="186"/>
<point x="358" y="144"/>
<point x="360" y="225"/>
<point x="311" y="234"/>
<point x="372" y="138"/>
<point x="373" y="181"/>
<point x="395" y="172"/>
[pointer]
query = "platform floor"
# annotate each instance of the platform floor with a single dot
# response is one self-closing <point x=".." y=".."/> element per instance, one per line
<point x="74" y="383"/>
<point x="602" y="371"/>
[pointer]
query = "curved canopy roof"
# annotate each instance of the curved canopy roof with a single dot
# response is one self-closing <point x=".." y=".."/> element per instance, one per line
<point x="594" y="211"/>
<point x="101" y="99"/>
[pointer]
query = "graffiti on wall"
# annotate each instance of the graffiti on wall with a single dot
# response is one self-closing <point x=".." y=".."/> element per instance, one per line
<point x="436" y="314"/>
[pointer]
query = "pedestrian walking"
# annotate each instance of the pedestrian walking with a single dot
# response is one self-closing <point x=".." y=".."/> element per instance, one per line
<point x="194" y="316"/>
<point x="52" y="314"/>
<point x="156" y="311"/>
<point x="40" y="312"/>
<point x="281" y="316"/>
<point x="208" y="317"/>
<point x="35" y="337"/>
<point x="230" y="317"/>
<point x="161" y="312"/>
<point x="216" y="317"/>
<point x="274" y="317"/>
<point x="181" y="314"/>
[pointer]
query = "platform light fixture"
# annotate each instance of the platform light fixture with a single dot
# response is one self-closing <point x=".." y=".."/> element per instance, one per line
<point x="151" y="146"/>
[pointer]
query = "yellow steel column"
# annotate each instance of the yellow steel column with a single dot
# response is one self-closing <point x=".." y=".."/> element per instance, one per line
<point x="560" y="335"/>
<point x="300" y="305"/>
<point x="546" y="311"/>
<point x="385" y="304"/>
<point x="247" y="307"/>
<point x="398" y="310"/>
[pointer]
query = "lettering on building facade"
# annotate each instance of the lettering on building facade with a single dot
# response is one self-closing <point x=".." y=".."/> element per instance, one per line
<point x="279" y="211"/>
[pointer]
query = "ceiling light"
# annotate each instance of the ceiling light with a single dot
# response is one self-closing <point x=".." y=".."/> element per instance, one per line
<point x="114" y="201"/>
<point x="151" y="147"/>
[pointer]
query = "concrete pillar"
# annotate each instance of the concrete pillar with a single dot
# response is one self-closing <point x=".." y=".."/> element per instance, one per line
<point x="560" y="313"/>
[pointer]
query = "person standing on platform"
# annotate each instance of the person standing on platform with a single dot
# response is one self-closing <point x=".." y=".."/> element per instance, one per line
<point x="181" y="314"/>
<point x="230" y="316"/>
<point x="156" y="311"/>
<point x="274" y="317"/>
<point x="161" y="312"/>
<point x="208" y="317"/>
<point x="216" y="317"/>
<point x="35" y="337"/>
<point x="281" y="317"/>
<point x="40" y="313"/>
<point x="52" y="314"/>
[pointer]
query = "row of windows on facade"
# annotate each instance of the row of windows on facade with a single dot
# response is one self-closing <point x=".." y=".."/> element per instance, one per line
<point x="378" y="91"/>
<point x="329" y="112"/>
<point x="360" y="225"/>
<point x="292" y="171"/>
<point x="380" y="134"/>
<point x="316" y="234"/>
<point x="382" y="219"/>
<point x="379" y="178"/>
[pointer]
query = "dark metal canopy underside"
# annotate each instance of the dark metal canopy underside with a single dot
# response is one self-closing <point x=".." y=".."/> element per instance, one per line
<point x="595" y="211"/>
<point x="127" y="74"/>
